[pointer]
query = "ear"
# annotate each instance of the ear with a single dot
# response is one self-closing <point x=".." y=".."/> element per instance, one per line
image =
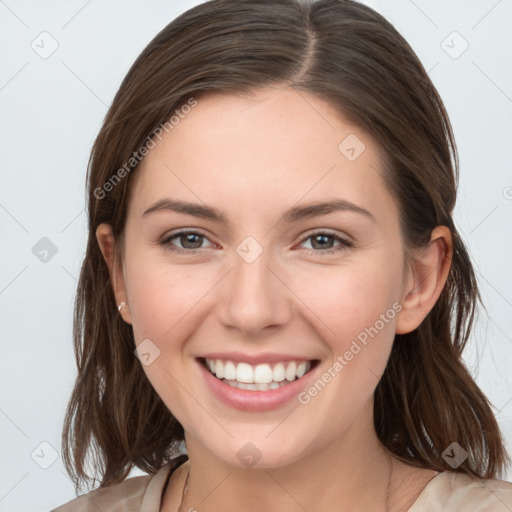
<point x="106" y="242"/>
<point x="427" y="276"/>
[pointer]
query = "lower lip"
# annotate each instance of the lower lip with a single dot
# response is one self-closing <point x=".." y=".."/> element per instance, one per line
<point x="247" y="400"/>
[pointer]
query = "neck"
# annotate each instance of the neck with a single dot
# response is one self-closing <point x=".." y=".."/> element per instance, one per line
<point x="350" y="473"/>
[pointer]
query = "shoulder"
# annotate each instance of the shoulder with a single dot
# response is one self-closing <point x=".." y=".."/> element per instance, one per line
<point x="129" y="495"/>
<point x="452" y="492"/>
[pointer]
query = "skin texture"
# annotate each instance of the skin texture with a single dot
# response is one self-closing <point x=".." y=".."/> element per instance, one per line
<point x="254" y="157"/>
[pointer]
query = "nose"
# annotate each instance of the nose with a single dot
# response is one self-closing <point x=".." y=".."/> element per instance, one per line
<point x="255" y="297"/>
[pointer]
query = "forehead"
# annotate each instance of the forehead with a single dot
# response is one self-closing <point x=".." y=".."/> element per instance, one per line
<point x="269" y="147"/>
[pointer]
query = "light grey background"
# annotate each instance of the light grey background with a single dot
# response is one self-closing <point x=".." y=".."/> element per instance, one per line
<point x="52" y="107"/>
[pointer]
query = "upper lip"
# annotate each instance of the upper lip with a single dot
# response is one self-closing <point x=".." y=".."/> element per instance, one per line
<point x="238" y="357"/>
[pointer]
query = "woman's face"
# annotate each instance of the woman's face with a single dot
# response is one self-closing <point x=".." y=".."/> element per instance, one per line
<point x="267" y="278"/>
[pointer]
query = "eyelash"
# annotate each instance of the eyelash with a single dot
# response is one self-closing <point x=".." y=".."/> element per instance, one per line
<point x="344" y="244"/>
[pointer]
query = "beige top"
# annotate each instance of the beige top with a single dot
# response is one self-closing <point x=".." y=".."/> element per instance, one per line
<point x="447" y="492"/>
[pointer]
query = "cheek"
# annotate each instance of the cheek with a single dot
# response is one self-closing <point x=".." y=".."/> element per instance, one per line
<point x="350" y="299"/>
<point x="165" y="301"/>
<point x="355" y="308"/>
<point x="359" y="308"/>
<point x="162" y="295"/>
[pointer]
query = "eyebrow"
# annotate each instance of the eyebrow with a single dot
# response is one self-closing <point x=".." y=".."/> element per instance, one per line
<point x="308" y="211"/>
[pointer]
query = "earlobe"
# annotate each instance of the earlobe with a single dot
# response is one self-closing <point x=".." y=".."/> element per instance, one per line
<point x="429" y="270"/>
<point x="106" y="242"/>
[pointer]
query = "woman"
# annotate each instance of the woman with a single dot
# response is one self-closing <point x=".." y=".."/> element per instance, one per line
<point x="274" y="278"/>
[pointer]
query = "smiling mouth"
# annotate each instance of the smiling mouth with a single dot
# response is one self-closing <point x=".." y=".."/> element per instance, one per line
<point x="261" y="377"/>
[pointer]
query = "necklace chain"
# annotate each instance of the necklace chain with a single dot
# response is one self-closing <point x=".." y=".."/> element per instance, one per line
<point x="185" y="489"/>
<point x="388" y="488"/>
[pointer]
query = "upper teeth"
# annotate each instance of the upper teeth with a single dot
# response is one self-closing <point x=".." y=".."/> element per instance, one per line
<point x="259" y="374"/>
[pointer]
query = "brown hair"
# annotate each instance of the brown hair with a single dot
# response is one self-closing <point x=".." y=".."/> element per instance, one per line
<point x="347" y="54"/>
